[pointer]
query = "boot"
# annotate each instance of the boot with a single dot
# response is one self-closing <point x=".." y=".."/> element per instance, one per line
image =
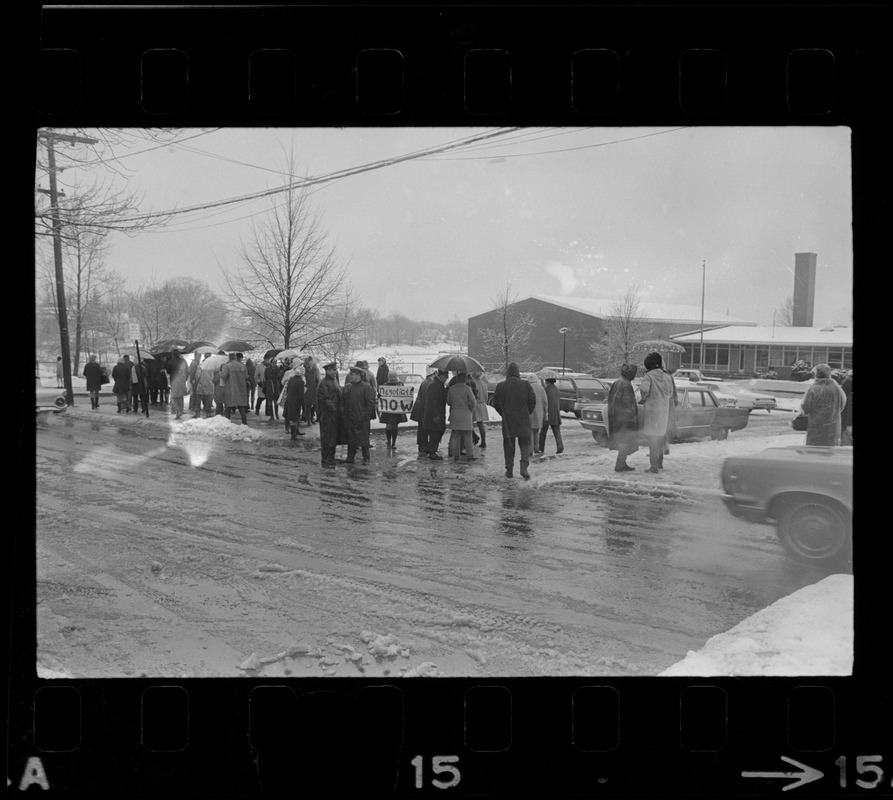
<point x="509" y="473"/>
<point x="294" y="434"/>
<point x="524" y="473"/>
<point x="558" y="442"/>
<point x="365" y="455"/>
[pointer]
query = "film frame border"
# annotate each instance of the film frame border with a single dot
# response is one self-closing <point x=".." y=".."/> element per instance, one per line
<point x="538" y="44"/>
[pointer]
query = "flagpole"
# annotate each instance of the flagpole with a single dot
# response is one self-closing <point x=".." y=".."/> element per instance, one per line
<point x="703" y="290"/>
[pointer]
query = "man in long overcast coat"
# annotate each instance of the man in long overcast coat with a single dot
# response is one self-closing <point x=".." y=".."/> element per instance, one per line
<point x="514" y="400"/>
<point x="434" y="416"/>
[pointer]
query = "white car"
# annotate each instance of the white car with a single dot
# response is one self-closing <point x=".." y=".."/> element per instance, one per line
<point x="50" y="399"/>
<point x="744" y="397"/>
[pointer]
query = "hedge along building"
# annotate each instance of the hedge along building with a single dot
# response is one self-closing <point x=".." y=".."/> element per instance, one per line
<point x="746" y="351"/>
<point x="586" y="320"/>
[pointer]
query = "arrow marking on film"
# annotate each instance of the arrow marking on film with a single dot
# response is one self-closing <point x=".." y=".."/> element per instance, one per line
<point x="804" y="776"/>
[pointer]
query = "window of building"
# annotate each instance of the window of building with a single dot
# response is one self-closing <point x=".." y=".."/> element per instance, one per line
<point x="819" y="355"/>
<point x="776" y="356"/>
<point x="762" y="359"/>
<point x="847" y="357"/>
<point x="835" y="357"/>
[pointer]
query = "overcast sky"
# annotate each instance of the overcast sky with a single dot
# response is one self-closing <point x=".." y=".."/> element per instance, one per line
<point x="563" y="211"/>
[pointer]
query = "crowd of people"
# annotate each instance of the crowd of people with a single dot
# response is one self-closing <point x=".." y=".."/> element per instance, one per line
<point x="299" y="394"/>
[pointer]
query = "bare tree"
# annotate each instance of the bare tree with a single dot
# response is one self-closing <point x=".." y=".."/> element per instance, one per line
<point x="289" y="285"/>
<point x="624" y="327"/>
<point x="350" y="323"/>
<point x="509" y="338"/>
<point x="179" y="308"/>
<point x="784" y="314"/>
<point x="458" y="331"/>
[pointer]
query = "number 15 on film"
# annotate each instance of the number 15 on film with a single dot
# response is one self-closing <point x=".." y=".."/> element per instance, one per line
<point x="441" y="766"/>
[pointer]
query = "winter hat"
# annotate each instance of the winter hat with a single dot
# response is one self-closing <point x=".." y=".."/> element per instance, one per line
<point x="628" y="371"/>
<point x="532" y="378"/>
<point x="653" y="360"/>
<point x="393" y="379"/>
<point x="332" y="365"/>
<point x="513" y="371"/>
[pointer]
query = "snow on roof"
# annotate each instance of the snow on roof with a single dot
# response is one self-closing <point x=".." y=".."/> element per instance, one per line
<point x="768" y="335"/>
<point x="652" y="312"/>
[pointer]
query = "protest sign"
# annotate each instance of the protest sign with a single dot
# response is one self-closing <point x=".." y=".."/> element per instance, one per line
<point x="395" y="399"/>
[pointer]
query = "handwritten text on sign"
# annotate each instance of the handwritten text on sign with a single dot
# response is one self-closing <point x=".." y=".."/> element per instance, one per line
<point x="395" y="399"/>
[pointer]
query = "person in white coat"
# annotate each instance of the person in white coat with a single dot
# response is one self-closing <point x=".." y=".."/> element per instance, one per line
<point x="656" y="391"/>
<point x="539" y="413"/>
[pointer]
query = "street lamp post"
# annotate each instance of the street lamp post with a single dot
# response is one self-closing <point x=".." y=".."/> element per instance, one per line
<point x="563" y="332"/>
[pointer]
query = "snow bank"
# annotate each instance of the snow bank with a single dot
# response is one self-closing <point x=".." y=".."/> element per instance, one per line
<point x="219" y="427"/>
<point x="809" y="632"/>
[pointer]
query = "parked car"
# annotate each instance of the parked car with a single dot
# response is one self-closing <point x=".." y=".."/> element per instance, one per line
<point x="50" y="399"/>
<point x="693" y="375"/>
<point x="806" y="491"/>
<point x="578" y="389"/>
<point x="744" y="397"/>
<point x="698" y="413"/>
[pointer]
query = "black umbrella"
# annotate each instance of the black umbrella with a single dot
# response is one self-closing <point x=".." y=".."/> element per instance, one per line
<point x="458" y="362"/>
<point x="273" y="352"/>
<point x="236" y="346"/>
<point x="193" y="346"/>
<point x="166" y="345"/>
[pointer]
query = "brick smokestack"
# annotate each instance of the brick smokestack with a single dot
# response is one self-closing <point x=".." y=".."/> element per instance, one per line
<point x="804" y="289"/>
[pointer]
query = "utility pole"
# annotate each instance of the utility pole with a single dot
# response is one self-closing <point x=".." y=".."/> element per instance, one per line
<point x="703" y="291"/>
<point x="49" y="137"/>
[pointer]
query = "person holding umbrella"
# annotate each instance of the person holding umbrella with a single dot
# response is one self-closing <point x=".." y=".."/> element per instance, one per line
<point x="193" y="368"/>
<point x="329" y="399"/>
<point x="204" y="389"/>
<point x="294" y="402"/>
<point x="481" y="413"/>
<point x="460" y="398"/>
<point x="139" y="386"/>
<point x="656" y="390"/>
<point x="234" y="379"/>
<point x="514" y="400"/>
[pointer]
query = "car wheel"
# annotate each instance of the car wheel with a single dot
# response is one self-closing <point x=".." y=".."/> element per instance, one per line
<point x="719" y="434"/>
<point x="813" y="530"/>
<point x="601" y="438"/>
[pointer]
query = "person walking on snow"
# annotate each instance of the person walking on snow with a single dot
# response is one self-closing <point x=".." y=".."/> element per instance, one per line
<point x="514" y="400"/>
<point x="656" y="391"/>
<point x="481" y="409"/>
<point x="538" y="415"/>
<point x="552" y="416"/>
<point x="93" y="374"/>
<point x="623" y="417"/>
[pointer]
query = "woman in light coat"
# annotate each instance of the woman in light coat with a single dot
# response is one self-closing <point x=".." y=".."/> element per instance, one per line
<point x="538" y="415"/>
<point x="823" y="403"/>
<point x="656" y="390"/>
<point x="461" y="401"/>
<point x="481" y="410"/>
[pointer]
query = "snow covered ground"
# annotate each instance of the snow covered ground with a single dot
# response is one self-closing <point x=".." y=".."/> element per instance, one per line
<point x="809" y="632"/>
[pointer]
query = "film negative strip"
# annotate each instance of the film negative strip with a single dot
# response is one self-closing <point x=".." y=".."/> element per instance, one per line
<point x="340" y="714"/>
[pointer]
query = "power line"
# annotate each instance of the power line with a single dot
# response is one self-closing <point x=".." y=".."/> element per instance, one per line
<point x="323" y="178"/>
<point x="563" y="150"/>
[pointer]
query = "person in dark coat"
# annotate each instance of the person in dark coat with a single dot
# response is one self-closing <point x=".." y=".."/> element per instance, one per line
<point x="178" y="370"/>
<point x="153" y="371"/>
<point x="846" y="418"/>
<point x="121" y="386"/>
<point x="623" y="417"/>
<point x="234" y="379"/>
<point x="417" y="414"/>
<point x="60" y="383"/>
<point x="358" y="404"/>
<point x="251" y="369"/>
<point x="329" y="406"/>
<point x="392" y="419"/>
<point x="381" y="376"/>
<point x="272" y="390"/>
<point x="823" y="404"/>
<point x="434" y="415"/>
<point x="311" y="387"/>
<point x="514" y="400"/>
<point x="552" y="418"/>
<point x="193" y="397"/>
<point x="139" y="386"/>
<point x="294" y="404"/>
<point x="93" y="374"/>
